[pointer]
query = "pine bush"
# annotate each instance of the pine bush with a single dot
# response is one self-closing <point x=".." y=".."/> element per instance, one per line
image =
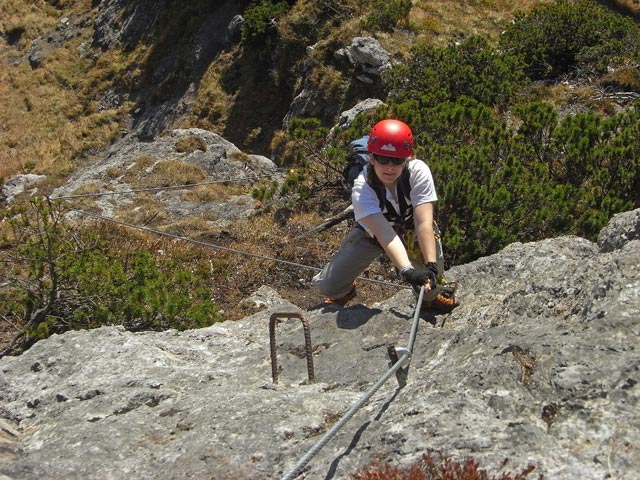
<point x="571" y="37"/>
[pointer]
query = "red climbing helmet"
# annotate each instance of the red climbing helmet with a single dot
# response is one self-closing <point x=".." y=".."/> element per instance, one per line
<point x="391" y="138"/>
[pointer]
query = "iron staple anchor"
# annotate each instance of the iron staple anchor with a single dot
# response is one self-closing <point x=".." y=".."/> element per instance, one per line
<point x="307" y="342"/>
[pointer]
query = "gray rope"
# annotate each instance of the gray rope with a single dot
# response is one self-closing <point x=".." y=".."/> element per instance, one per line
<point x="414" y="325"/>
<point x="219" y="247"/>
<point x="403" y="360"/>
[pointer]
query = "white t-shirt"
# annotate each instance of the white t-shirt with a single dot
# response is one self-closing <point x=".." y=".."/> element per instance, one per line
<point x="365" y="201"/>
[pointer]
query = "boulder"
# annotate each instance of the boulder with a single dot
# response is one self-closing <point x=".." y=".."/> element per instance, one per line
<point x="367" y="56"/>
<point x="366" y="105"/>
<point x="621" y="229"/>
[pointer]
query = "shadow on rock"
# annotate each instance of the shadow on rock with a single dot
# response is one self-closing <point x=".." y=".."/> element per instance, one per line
<point x="354" y="317"/>
<point x="356" y="438"/>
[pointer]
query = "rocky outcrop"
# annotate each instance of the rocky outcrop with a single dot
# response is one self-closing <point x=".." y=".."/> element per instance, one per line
<point x="621" y="229"/>
<point x="18" y="185"/>
<point x="538" y="365"/>
<point x="67" y="29"/>
<point x="367" y="57"/>
<point x="364" y="56"/>
<point x="218" y="159"/>
<point x="347" y="117"/>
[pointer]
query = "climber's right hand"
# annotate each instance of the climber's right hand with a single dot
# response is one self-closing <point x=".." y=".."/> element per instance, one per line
<point x="418" y="279"/>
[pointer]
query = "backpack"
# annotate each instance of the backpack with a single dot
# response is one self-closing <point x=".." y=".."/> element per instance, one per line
<point x="356" y="160"/>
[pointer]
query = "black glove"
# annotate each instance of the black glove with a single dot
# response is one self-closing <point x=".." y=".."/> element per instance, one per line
<point x="432" y="270"/>
<point x="418" y="279"/>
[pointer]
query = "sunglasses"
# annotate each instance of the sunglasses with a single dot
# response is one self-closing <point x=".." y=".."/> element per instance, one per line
<point x="382" y="160"/>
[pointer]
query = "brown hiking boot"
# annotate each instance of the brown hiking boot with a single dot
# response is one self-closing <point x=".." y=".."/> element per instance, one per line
<point x="442" y="303"/>
<point x="342" y="301"/>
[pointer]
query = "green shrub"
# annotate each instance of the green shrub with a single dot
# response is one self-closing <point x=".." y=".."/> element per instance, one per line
<point x="258" y="18"/>
<point x="472" y="68"/>
<point x="59" y="276"/>
<point x="264" y="191"/>
<point x="490" y="193"/>
<point x="313" y="163"/>
<point x="385" y="14"/>
<point x="548" y="178"/>
<point x="600" y="159"/>
<point x="571" y="36"/>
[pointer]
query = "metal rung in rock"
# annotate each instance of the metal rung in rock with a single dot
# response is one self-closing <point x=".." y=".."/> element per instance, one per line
<point x="307" y="341"/>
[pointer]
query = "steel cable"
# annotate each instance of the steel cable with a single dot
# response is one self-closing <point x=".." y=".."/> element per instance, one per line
<point x="219" y="247"/>
<point x="403" y="360"/>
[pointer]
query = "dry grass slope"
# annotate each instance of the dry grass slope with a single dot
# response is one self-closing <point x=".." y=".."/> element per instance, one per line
<point x="53" y="116"/>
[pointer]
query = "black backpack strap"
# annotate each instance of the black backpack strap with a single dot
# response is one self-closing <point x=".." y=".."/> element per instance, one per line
<point x="404" y="194"/>
<point x="404" y="218"/>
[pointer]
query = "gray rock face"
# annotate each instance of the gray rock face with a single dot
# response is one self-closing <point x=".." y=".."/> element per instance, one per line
<point x="347" y="117"/>
<point x="367" y="53"/>
<point x="234" y="29"/>
<point x="66" y="29"/>
<point x="621" y="229"/>
<point x="367" y="56"/>
<point x="538" y="365"/>
<point x="18" y="184"/>
<point x="180" y="66"/>
<point x="119" y="22"/>
<point x="307" y="103"/>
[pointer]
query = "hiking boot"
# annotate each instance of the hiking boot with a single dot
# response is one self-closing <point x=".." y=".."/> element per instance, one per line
<point x="442" y="303"/>
<point x="342" y="301"/>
